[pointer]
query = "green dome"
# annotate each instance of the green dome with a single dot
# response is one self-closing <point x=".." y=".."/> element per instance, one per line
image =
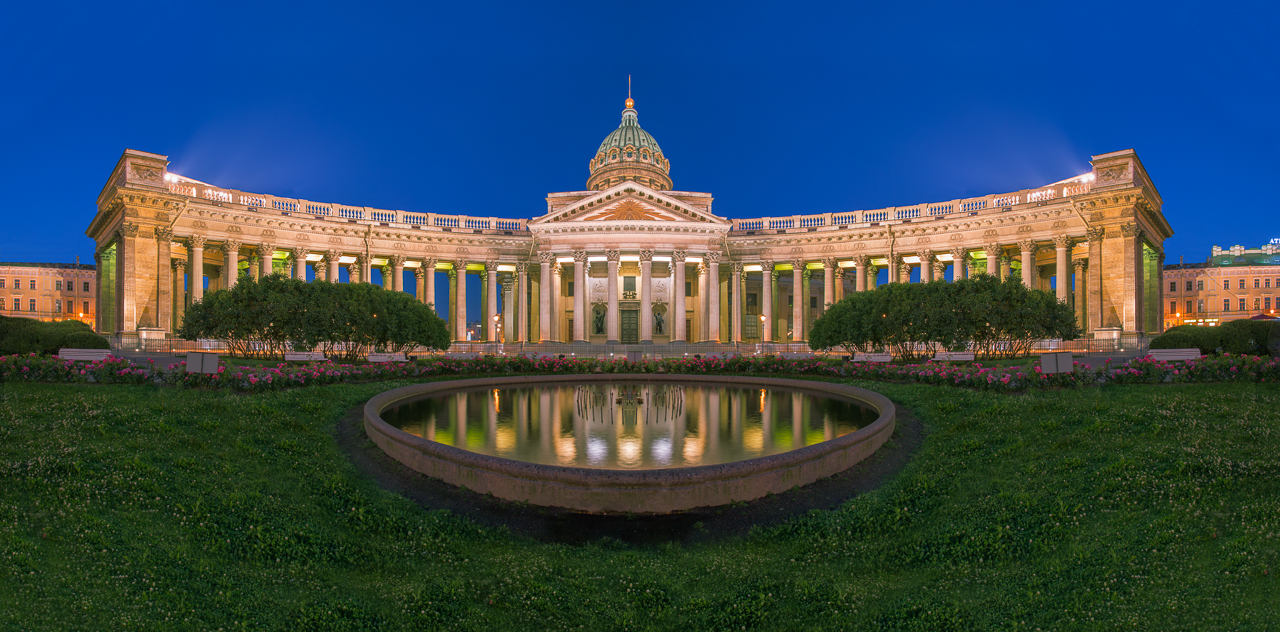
<point x="629" y="153"/>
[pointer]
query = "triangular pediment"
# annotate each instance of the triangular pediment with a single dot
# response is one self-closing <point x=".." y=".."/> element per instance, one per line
<point x="629" y="202"/>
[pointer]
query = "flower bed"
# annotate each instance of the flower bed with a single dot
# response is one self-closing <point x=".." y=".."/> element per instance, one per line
<point x="1146" y="370"/>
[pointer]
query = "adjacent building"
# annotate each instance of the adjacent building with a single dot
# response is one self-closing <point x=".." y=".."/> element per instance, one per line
<point x="1231" y="284"/>
<point x="630" y="258"/>
<point x="49" y="291"/>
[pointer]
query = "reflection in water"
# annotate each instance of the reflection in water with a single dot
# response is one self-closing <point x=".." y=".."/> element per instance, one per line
<point x="629" y="425"/>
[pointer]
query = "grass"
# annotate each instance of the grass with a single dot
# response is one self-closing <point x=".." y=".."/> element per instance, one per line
<point x="136" y="507"/>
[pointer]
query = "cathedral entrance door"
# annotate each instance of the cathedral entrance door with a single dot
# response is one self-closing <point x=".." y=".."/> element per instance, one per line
<point x="630" y="322"/>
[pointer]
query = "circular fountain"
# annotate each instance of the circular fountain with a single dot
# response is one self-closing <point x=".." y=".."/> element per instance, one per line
<point x="629" y="443"/>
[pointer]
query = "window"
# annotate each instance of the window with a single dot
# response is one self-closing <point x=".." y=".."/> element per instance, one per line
<point x="86" y="286"/>
<point x="1256" y="280"/>
<point x="570" y="290"/>
<point x="813" y="302"/>
<point x="1241" y="284"/>
<point x="17" y="304"/>
<point x="86" y="308"/>
<point x="1200" y="306"/>
<point x="688" y="288"/>
<point x="1266" y="303"/>
<point x="1188" y="286"/>
<point x="1" y="284"/>
<point x="1188" y="307"/>
<point x="1173" y="286"/>
<point x="33" y="286"/>
<point x="57" y="285"/>
<point x="1173" y="307"/>
<point x="1226" y="304"/>
<point x="1257" y="303"/>
<point x="1265" y="283"/>
<point x="1200" y="286"/>
<point x="1242" y="308"/>
<point x="17" y="284"/>
<point x="791" y="299"/>
<point x="1226" y="284"/>
<point x="57" y="306"/>
<point x="32" y="303"/>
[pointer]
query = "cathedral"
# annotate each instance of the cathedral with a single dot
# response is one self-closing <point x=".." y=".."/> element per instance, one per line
<point x="630" y="259"/>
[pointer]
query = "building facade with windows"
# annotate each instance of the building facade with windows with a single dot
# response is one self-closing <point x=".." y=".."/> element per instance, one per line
<point x="629" y="258"/>
<point x="49" y="291"/>
<point x="1231" y="284"/>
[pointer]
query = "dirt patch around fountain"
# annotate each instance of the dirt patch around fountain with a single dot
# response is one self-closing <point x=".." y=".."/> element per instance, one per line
<point x="688" y="527"/>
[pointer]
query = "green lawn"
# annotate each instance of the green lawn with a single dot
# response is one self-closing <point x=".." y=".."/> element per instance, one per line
<point x="1093" y="509"/>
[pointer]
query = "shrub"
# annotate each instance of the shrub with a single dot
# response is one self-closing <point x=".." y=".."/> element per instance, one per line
<point x="26" y="335"/>
<point x="1246" y="336"/>
<point x="85" y="340"/>
<point x="1174" y="340"/>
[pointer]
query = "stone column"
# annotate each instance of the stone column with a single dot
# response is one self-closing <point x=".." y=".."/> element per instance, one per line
<point x="300" y="263"/>
<point x="993" y="252"/>
<point x="580" y="296"/>
<point x="332" y="265"/>
<point x="766" y="301"/>
<point x="252" y="262"/>
<point x="739" y="302"/>
<point x="179" y="292"/>
<point x="841" y="273"/>
<point x="828" y="282"/>
<point x="366" y="268"/>
<point x="520" y="305"/>
<point x="164" y="280"/>
<point x="533" y="315"/>
<point x="1006" y="265"/>
<point x="959" y="261"/>
<point x="355" y="271"/>
<point x="491" y="306"/>
<point x="397" y="270"/>
<point x="939" y="270"/>
<point x="611" y="327"/>
<point x="646" y="297"/>
<point x="420" y="276"/>
<point x="798" y="300"/>
<point x="779" y="323"/>
<point x="677" y="297"/>
<point x="1028" y="248"/>
<point x="713" y="296"/>
<point x="926" y="266"/>
<point x="1082" y="315"/>
<point x="322" y="268"/>
<point x="195" y="261"/>
<point x="548" y="259"/>
<point x="1062" y="248"/>
<point x="1159" y="283"/>
<point x="1094" y="285"/>
<point x="508" y="289"/>
<point x="460" y="298"/>
<point x="557" y="288"/>
<point x="895" y="269"/>
<point x="266" y="253"/>
<point x="231" y="248"/>
<point x="1133" y="312"/>
<point x="429" y="286"/>
<point x="862" y="270"/>
<point x="700" y="333"/>
<point x="452" y="295"/>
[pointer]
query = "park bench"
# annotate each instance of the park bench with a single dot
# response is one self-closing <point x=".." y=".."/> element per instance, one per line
<point x="791" y="356"/>
<point x="954" y="356"/>
<point x="84" y="355"/>
<point x="1174" y="355"/>
<point x="873" y="357"/>
<point x="387" y="357"/>
<point x="303" y="356"/>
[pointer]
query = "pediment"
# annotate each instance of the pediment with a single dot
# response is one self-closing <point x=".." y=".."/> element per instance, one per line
<point x="629" y="202"/>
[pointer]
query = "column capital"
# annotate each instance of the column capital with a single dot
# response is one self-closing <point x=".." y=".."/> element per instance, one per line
<point x="127" y="229"/>
<point x="362" y="259"/>
<point x="398" y="260"/>
<point x="766" y="266"/>
<point x="1062" y="241"/>
<point x="737" y="268"/>
<point x="612" y="255"/>
<point x="1151" y="255"/>
<point x="713" y="256"/>
<point x="229" y="246"/>
<point x="839" y="272"/>
<point x="830" y="262"/>
<point x="556" y="268"/>
<point x="993" y="250"/>
<point x="678" y="256"/>
<point x="939" y="269"/>
<point x="1027" y="245"/>
<point x="429" y="263"/>
<point x="959" y="254"/>
<point x="164" y="234"/>
<point x="646" y="255"/>
<point x="253" y="250"/>
<point x="1095" y="234"/>
<point x="522" y="267"/>
<point x="196" y="241"/>
<point x="895" y="260"/>
<point x="452" y="273"/>
<point x="419" y="273"/>
<point x="331" y="257"/>
<point x="179" y="264"/>
<point x="546" y="256"/>
<point x="862" y="261"/>
<point x="1130" y="230"/>
<point x="1080" y="264"/>
<point x="266" y="248"/>
<point x="491" y="267"/>
<point x="926" y="256"/>
<point x="580" y="256"/>
<point x="807" y="274"/>
<point x="299" y="252"/>
<point x="702" y="268"/>
<point x="797" y="264"/>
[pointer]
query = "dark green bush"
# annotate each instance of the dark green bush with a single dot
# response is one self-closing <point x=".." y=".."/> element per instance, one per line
<point x="85" y="340"/>
<point x="1247" y="336"/>
<point x="27" y="335"/>
<point x="1174" y="340"/>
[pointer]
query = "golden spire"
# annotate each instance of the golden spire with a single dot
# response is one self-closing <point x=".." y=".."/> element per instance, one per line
<point x="630" y="102"/>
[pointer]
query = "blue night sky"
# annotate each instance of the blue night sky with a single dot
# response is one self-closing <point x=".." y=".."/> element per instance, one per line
<point x="483" y="108"/>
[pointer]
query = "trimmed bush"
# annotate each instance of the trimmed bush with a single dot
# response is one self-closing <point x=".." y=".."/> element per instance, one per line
<point x="85" y="340"/>
<point x="1174" y="340"/>
<point x="26" y="335"/>
<point x="1247" y="336"/>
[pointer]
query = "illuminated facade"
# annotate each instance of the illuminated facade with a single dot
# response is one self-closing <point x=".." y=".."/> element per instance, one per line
<point x="1232" y="284"/>
<point x="629" y="259"/>
<point x="49" y="291"/>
